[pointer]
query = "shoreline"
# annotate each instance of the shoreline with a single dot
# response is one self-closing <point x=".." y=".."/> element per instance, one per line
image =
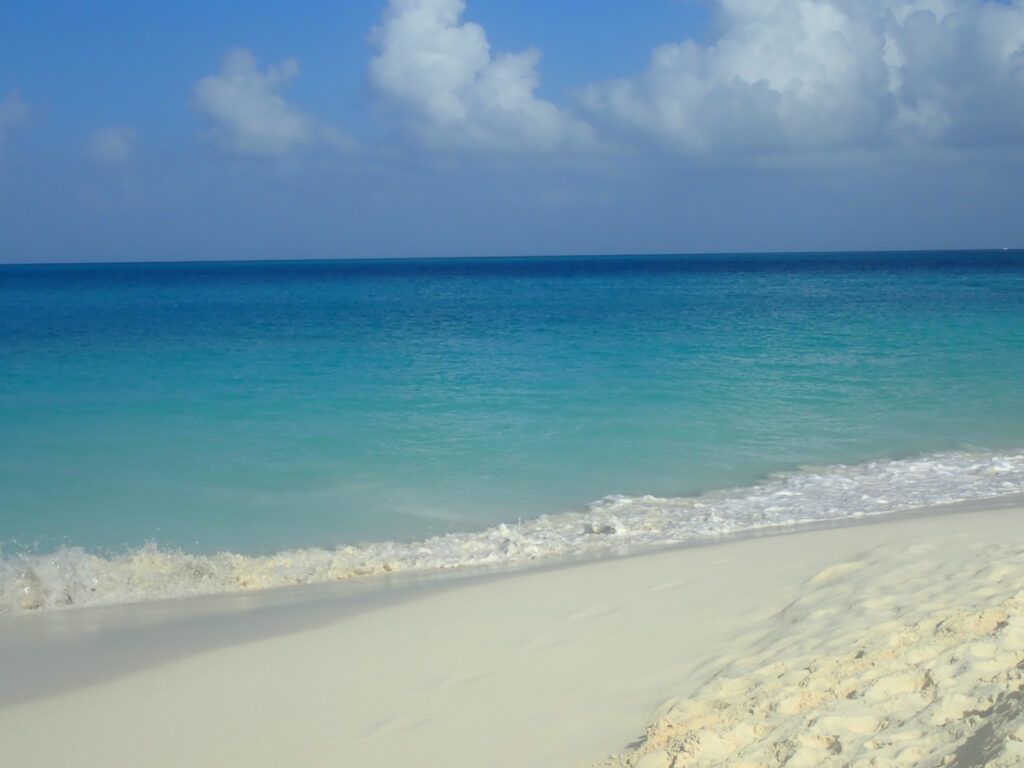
<point x="560" y="665"/>
<point x="165" y="630"/>
<point x="72" y="577"/>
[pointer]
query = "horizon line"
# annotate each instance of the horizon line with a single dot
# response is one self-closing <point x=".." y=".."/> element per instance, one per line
<point x="509" y="257"/>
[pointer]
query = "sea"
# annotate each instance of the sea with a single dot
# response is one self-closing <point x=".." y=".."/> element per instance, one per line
<point x="174" y="429"/>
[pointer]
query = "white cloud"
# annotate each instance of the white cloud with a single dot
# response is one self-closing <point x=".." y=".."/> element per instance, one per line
<point x="801" y="75"/>
<point x="440" y="76"/>
<point x="13" y="112"/>
<point x="250" y="116"/>
<point x="959" y="75"/>
<point x="112" y="146"/>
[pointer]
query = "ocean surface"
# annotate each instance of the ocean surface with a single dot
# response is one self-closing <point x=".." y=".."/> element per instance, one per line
<point x="180" y="428"/>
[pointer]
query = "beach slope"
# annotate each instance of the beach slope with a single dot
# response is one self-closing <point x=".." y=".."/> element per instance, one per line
<point x="892" y="643"/>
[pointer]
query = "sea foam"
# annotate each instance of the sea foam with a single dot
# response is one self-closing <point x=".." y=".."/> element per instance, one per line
<point x="71" y="576"/>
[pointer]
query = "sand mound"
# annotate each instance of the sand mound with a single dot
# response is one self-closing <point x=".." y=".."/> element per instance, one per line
<point x="896" y="658"/>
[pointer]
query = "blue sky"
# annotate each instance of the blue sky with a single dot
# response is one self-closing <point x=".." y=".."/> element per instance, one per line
<point x="441" y="127"/>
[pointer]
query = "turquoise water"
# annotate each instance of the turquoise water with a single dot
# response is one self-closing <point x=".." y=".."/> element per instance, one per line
<point x="251" y="408"/>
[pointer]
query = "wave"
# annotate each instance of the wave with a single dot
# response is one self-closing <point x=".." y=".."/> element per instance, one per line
<point x="71" y="576"/>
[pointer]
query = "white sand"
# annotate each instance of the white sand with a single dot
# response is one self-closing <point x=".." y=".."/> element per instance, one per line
<point x="888" y="644"/>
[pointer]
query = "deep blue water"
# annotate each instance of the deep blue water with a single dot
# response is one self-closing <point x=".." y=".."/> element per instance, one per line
<point x="251" y="407"/>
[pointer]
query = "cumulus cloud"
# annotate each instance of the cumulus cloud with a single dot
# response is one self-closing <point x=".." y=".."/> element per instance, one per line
<point x="13" y="112"/>
<point x="112" y="146"/>
<point x="440" y="76"/>
<point x="249" y="115"/>
<point x="787" y="75"/>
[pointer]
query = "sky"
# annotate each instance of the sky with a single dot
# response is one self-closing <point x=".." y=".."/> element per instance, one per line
<point x="405" y="128"/>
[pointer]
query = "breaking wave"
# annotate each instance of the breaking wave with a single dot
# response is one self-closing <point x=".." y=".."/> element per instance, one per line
<point x="615" y="524"/>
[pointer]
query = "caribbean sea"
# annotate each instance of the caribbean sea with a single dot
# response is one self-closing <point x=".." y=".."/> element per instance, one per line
<point x="173" y="428"/>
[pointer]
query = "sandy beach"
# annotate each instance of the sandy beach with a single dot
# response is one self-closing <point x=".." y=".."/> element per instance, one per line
<point x="895" y="642"/>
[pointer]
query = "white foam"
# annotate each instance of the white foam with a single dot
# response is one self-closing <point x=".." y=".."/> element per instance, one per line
<point x="614" y="524"/>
